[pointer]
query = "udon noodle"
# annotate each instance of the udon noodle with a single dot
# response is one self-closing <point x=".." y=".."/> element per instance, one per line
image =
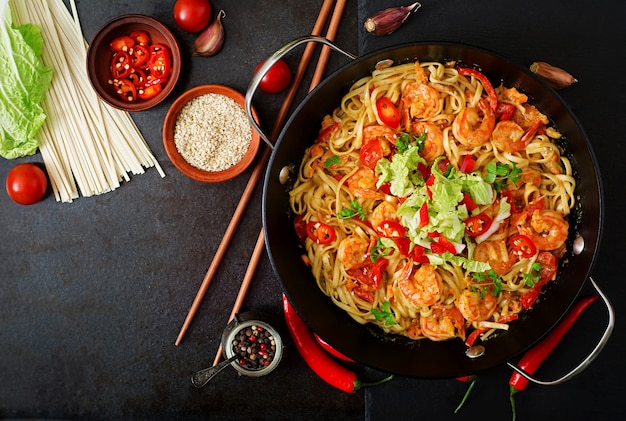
<point x="433" y="204"/>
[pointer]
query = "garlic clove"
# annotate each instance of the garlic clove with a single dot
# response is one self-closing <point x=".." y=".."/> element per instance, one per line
<point x="211" y="39"/>
<point x="555" y="76"/>
<point x="387" y="21"/>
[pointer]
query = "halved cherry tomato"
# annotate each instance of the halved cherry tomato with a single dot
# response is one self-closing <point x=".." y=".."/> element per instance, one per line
<point x="370" y="275"/>
<point x="391" y="229"/>
<point x="388" y="112"/>
<point x="522" y="246"/>
<point x="320" y="233"/>
<point x="140" y="37"/>
<point x="121" y="65"/>
<point x="418" y="254"/>
<point x="371" y="153"/>
<point x="300" y="227"/>
<point x="149" y="91"/>
<point x="126" y="90"/>
<point x="477" y="225"/>
<point x="123" y="43"/>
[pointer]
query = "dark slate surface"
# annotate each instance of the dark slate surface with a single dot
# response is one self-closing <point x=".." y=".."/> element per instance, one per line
<point x="94" y="292"/>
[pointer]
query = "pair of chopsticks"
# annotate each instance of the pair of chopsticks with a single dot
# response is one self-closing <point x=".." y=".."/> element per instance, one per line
<point x="259" y="169"/>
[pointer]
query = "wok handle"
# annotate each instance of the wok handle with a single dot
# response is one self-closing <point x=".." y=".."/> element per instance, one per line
<point x="267" y="64"/>
<point x="594" y="353"/>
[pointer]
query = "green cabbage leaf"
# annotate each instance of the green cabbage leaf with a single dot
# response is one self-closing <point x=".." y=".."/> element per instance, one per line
<point x="24" y="81"/>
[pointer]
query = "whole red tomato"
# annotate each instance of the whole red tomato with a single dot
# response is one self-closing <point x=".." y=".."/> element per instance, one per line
<point x="276" y="79"/>
<point x="26" y="184"/>
<point x="192" y="15"/>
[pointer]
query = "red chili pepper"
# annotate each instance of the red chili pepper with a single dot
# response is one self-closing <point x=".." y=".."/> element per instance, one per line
<point x="316" y="358"/>
<point x="491" y="92"/>
<point x="466" y="379"/>
<point x="478" y="224"/>
<point x="537" y="354"/>
<point x="320" y="233"/>
<point x="468" y="202"/>
<point x="391" y="229"/>
<point x="332" y="351"/>
<point x="522" y="246"/>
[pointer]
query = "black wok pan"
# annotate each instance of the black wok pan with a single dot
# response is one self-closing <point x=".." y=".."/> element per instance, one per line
<point x="367" y="344"/>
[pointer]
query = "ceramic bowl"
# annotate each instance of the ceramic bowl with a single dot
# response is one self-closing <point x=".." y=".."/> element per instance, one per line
<point x="100" y="55"/>
<point x="220" y="141"/>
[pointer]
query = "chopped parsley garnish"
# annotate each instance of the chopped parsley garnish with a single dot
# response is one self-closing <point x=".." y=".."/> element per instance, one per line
<point x="530" y="279"/>
<point x="405" y="140"/>
<point x="487" y="282"/>
<point x="499" y="174"/>
<point x="385" y="314"/>
<point x="379" y="250"/>
<point x="355" y="210"/>
<point x="333" y="160"/>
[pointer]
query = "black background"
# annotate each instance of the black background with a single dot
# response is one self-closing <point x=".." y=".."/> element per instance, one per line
<point x="93" y="293"/>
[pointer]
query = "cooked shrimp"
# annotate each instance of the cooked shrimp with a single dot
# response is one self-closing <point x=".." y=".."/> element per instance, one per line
<point x="508" y="136"/>
<point x="384" y="134"/>
<point x="423" y="288"/>
<point x="419" y="101"/>
<point x="546" y="228"/>
<point x="474" y="307"/>
<point x="496" y="254"/>
<point x="353" y="251"/>
<point x="433" y="146"/>
<point x="385" y="211"/>
<point x="529" y="116"/>
<point x="363" y="184"/>
<point x="470" y="129"/>
<point x="528" y="176"/>
<point x="443" y="324"/>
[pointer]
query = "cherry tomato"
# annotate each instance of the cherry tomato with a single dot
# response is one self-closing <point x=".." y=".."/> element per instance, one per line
<point x="276" y="79"/>
<point x="388" y="112"/>
<point x="192" y="15"/>
<point x="26" y="184"/>
<point x="371" y="153"/>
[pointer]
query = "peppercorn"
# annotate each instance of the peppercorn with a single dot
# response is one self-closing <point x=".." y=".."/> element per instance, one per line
<point x="255" y="346"/>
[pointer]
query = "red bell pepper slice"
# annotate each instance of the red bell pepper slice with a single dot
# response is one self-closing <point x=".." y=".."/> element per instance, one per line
<point x="424" y="215"/>
<point x="522" y="246"/>
<point x="320" y="232"/>
<point x="491" y="92"/>
<point x="370" y="275"/>
<point x="467" y="164"/>
<point x="477" y="225"/>
<point x="388" y="112"/>
<point x="468" y="202"/>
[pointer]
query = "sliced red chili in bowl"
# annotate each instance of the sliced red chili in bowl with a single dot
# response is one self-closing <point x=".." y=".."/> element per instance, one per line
<point x="121" y="65"/>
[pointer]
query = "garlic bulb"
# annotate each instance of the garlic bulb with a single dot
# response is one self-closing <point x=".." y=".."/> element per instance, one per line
<point x="388" y="20"/>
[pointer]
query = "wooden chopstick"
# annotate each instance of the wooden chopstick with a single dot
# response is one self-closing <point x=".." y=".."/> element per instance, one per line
<point x="257" y="173"/>
<point x="331" y="34"/>
<point x="260" y="244"/>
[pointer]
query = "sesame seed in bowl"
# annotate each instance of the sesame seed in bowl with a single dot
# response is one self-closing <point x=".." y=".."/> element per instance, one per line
<point x="207" y="135"/>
